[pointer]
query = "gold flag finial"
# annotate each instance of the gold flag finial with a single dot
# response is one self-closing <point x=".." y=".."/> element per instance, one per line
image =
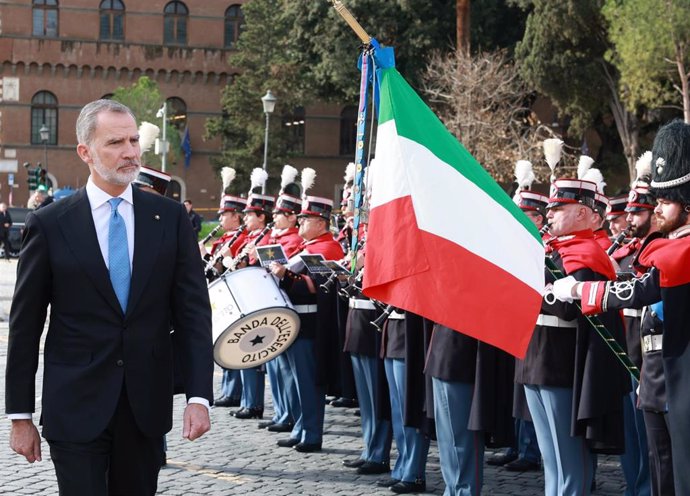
<point x="351" y="21"/>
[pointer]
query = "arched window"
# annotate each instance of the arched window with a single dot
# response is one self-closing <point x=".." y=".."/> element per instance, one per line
<point x="234" y="19"/>
<point x="348" y="130"/>
<point x="175" y="16"/>
<point x="45" y="18"/>
<point x="177" y="113"/>
<point x="112" y="20"/>
<point x="44" y="111"/>
<point x="295" y="127"/>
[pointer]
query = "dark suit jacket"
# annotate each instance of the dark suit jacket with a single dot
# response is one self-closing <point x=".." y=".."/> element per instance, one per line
<point x="91" y="347"/>
<point x="5" y="218"/>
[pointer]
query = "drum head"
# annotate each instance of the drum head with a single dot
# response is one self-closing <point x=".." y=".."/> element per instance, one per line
<point x="256" y="338"/>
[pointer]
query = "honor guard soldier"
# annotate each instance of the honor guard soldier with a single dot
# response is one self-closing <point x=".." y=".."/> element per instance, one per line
<point x="285" y="233"/>
<point x="615" y="214"/>
<point x="305" y="354"/>
<point x="573" y="383"/>
<point x="258" y="221"/>
<point x="665" y="286"/>
<point x="230" y="218"/>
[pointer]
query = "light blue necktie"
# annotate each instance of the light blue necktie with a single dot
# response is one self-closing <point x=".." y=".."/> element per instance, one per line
<point x="118" y="254"/>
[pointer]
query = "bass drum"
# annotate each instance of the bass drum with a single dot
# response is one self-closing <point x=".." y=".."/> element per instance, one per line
<point x="253" y="319"/>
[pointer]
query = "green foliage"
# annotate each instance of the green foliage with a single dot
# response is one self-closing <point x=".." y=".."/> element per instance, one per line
<point x="562" y="56"/>
<point x="650" y="38"/>
<point x="207" y="227"/>
<point x="495" y="24"/>
<point x="144" y="98"/>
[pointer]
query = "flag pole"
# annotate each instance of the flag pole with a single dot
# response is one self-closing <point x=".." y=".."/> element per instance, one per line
<point x="366" y="61"/>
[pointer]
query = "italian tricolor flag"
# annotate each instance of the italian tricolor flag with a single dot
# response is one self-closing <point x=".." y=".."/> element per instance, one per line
<point x="444" y="240"/>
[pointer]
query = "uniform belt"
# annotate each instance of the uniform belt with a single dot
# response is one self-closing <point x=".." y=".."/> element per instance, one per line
<point x="305" y="308"/>
<point x="652" y="342"/>
<point x="632" y="312"/>
<point x="553" y="321"/>
<point x="397" y="315"/>
<point x="362" y="304"/>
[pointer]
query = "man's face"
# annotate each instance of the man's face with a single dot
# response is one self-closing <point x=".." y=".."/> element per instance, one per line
<point x="618" y="224"/>
<point x="669" y="215"/>
<point x="230" y="221"/>
<point x="565" y="219"/>
<point x="3" y="207"/>
<point x="254" y="221"/>
<point x="282" y="220"/>
<point x="188" y="206"/>
<point x="535" y="217"/>
<point x="640" y="223"/>
<point x="311" y="227"/>
<point x="113" y="156"/>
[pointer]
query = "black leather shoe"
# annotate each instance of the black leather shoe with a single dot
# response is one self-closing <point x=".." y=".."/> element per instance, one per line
<point x="353" y="462"/>
<point x="280" y="427"/>
<point x="418" y="486"/>
<point x="226" y="401"/>
<point x="521" y="465"/>
<point x="288" y="443"/>
<point x="500" y="459"/>
<point x="344" y="403"/>
<point x="308" y="447"/>
<point x="387" y="482"/>
<point x="250" y="413"/>
<point x="265" y="424"/>
<point x="371" y="468"/>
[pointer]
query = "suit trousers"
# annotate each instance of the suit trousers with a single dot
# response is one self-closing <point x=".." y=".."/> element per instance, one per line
<point x="121" y="461"/>
<point x="375" y="431"/>
<point x="252" y="387"/>
<point x="287" y="390"/>
<point x="231" y="384"/>
<point x="568" y="462"/>
<point x="660" y="454"/>
<point x="635" y="460"/>
<point x="312" y="397"/>
<point x="461" y="451"/>
<point x="412" y="444"/>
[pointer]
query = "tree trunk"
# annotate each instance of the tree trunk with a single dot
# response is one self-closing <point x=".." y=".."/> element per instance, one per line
<point x="462" y="12"/>
<point x="685" y="91"/>
<point x="627" y="125"/>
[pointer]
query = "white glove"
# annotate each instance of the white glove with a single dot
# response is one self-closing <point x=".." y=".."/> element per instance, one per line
<point x="563" y="289"/>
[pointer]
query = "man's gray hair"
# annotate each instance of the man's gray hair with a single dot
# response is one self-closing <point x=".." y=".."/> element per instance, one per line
<point x="86" y="122"/>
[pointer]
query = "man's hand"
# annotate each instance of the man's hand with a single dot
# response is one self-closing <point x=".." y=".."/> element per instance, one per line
<point x="25" y="440"/>
<point x="277" y="269"/>
<point x="565" y="289"/>
<point x="196" y="421"/>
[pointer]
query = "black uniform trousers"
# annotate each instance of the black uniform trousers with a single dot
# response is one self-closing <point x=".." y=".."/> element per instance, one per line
<point x="121" y="461"/>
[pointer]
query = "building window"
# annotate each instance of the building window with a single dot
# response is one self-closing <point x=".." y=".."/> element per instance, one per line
<point x="234" y="19"/>
<point x="112" y="20"/>
<point x="295" y="129"/>
<point x="175" y="23"/>
<point x="45" y="18"/>
<point x="177" y="113"/>
<point x="44" y="110"/>
<point x="348" y="130"/>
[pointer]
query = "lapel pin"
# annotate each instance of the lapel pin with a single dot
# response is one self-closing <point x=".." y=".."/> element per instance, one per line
<point x="157" y="217"/>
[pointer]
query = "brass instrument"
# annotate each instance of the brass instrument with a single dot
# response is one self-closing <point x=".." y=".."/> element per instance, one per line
<point x="211" y="264"/>
<point x="249" y="247"/>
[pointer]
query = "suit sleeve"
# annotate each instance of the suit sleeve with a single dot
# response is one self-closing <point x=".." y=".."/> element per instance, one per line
<point x="27" y="318"/>
<point x="191" y="315"/>
<point x="600" y="296"/>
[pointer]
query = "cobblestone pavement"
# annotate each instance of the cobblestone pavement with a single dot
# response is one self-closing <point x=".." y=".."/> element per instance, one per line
<point x="236" y="458"/>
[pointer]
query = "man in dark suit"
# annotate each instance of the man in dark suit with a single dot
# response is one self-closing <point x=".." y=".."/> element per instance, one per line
<point x="118" y="268"/>
<point x="5" y="224"/>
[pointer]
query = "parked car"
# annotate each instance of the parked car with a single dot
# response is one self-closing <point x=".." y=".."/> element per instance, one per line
<point x="18" y="216"/>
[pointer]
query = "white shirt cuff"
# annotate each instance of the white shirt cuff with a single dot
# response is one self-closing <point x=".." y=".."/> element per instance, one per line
<point x="200" y="401"/>
<point x="19" y="416"/>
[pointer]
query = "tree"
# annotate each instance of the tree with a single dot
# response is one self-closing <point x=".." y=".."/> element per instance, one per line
<point x="562" y="54"/>
<point x="652" y="51"/>
<point x="483" y="101"/>
<point x="144" y="99"/>
<point x="264" y="62"/>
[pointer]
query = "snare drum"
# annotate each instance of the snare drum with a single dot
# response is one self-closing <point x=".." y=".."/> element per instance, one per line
<point x="253" y="320"/>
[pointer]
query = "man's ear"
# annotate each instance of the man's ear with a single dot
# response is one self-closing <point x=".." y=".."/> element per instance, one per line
<point x="84" y="153"/>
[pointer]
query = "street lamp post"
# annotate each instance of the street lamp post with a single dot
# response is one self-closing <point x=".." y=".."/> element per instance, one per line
<point x="45" y="136"/>
<point x="269" y="103"/>
<point x="163" y="143"/>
